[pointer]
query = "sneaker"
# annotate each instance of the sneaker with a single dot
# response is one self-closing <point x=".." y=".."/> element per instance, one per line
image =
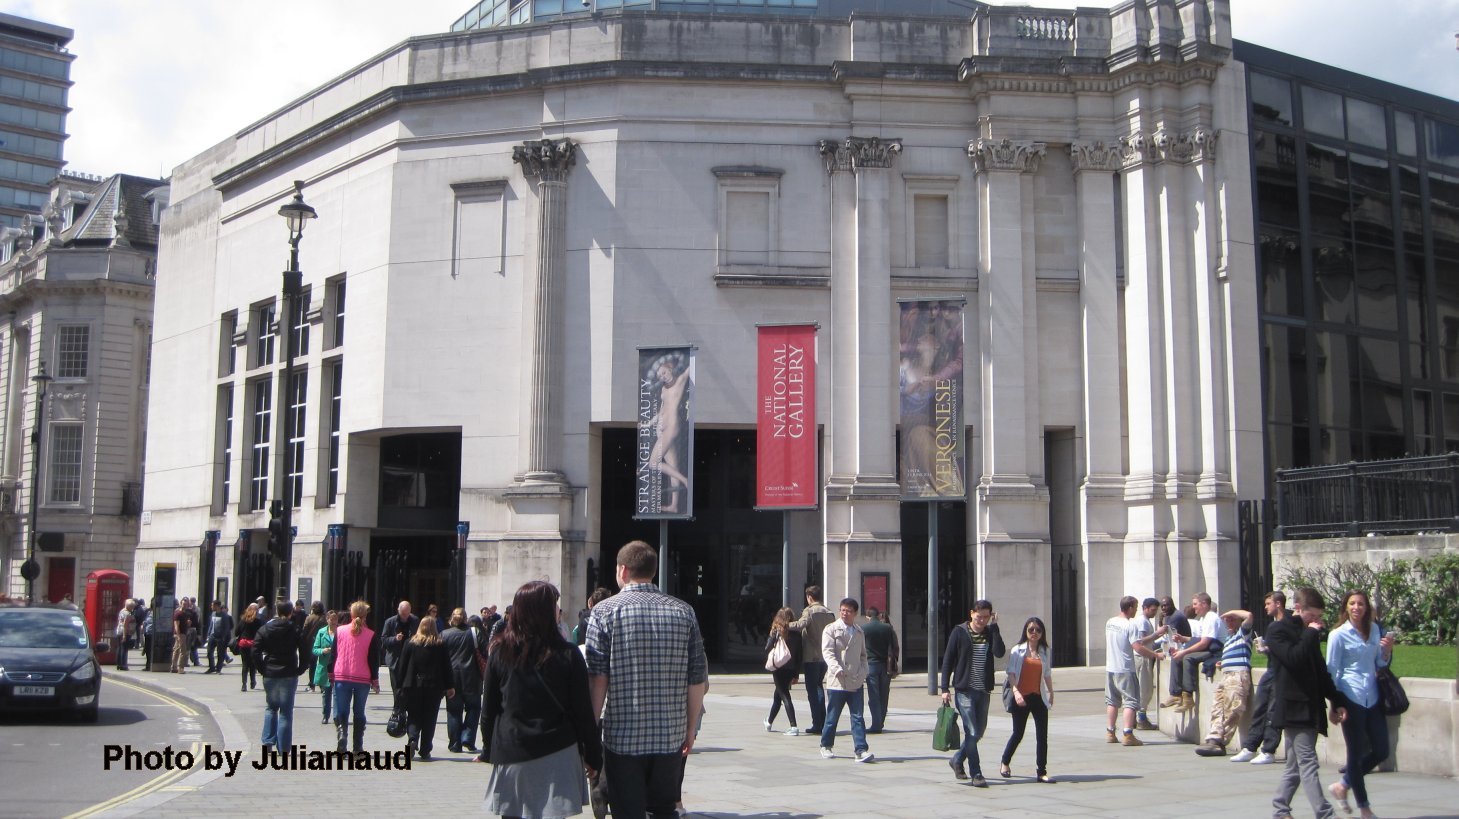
<point x="865" y="756"/>
<point x="1109" y="736"/>
<point x="1264" y="758"/>
<point x="769" y="727"/>
<point x="1144" y="724"/>
<point x="1209" y="748"/>
<point x="792" y="731"/>
<point x="1129" y="740"/>
<point x="827" y="753"/>
<point x="1244" y="755"/>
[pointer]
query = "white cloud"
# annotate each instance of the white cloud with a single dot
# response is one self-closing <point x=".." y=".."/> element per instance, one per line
<point x="159" y="81"/>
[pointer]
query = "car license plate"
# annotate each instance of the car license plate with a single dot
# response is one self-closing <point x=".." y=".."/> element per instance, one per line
<point x="35" y="690"/>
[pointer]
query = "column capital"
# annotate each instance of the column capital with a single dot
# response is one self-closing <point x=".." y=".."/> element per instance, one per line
<point x="1196" y="146"/>
<point x="1138" y="149"/>
<point x="835" y="154"/>
<point x="547" y="159"/>
<point x="872" y="152"/>
<point x="1021" y="156"/>
<point x="1095" y="156"/>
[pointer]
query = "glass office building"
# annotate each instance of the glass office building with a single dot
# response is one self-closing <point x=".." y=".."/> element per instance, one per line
<point x="35" y="77"/>
<point x="1357" y="216"/>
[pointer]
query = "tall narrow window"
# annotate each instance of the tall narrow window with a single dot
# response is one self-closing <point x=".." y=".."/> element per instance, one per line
<point x="258" y="473"/>
<point x="65" y="470"/>
<point x="336" y="389"/>
<point x="227" y="329"/>
<point x="298" y="402"/>
<point x="224" y="448"/>
<point x="263" y="335"/>
<point x="73" y="348"/>
<point x="339" y="291"/>
<point x="299" y="323"/>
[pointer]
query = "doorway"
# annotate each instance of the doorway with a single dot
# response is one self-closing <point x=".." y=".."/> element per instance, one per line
<point x="60" y="578"/>
<point x="954" y="586"/>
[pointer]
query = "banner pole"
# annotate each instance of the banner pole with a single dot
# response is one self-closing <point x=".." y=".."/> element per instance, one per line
<point x="664" y="555"/>
<point x="785" y="559"/>
<point x="932" y="600"/>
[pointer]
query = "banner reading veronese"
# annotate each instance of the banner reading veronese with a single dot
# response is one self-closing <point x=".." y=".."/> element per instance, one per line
<point x="664" y="484"/>
<point x="931" y="388"/>
<point x="785" y="440"/>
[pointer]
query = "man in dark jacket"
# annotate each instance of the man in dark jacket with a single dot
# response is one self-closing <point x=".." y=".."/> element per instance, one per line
<point x="812" y="624"/>
<point x="398" y="630"/>
<point x="278" y="654"/>
<point x="967" y="668"/>
<point x="220" y="631"/>
<point x="1297" y="699"/>
<point x="466" y="675"/>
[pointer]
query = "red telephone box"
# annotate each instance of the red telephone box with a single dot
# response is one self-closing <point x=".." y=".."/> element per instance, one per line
<point x="107" y="591"/>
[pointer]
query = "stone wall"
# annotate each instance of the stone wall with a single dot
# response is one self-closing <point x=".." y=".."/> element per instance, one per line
<point x="1373" y="550"/>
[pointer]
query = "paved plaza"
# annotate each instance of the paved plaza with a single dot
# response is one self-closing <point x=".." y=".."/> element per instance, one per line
<point x="740" y="770"/>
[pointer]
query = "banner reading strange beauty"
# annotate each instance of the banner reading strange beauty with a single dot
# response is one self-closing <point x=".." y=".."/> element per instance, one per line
<point x="785" y="457"/>
<point x="931" y="391"/>
<point x="664" y="486"/>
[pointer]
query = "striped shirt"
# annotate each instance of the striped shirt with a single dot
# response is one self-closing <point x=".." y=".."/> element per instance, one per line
<point x="1236" y="652"/>
<point x="978" y="659"/>
<point x="649" y="647"/>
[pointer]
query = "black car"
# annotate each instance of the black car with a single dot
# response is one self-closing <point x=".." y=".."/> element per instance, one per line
<point x="47" y="662"/>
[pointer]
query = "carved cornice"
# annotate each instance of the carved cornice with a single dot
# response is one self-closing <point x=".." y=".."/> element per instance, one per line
<point x="1203" y="144"/>
<point x="1137" y="149"/>
<point x="834" y="154"/>
<point x="872" y="152"/>
<point x="547" y="159"/>
<point x="1021" y="156"/>
<point x="1095" y="156"/>
<point x="1181" y="148"/>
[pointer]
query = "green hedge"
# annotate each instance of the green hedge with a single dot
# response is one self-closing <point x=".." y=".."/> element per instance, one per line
<point x="1417" y="598"/>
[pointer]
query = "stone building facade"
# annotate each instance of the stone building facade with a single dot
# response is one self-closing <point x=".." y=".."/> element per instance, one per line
<point x="514" y="212"/>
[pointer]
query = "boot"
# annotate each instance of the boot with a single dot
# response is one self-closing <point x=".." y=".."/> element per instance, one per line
<point x="359" y="746"/>
<point x="1187" y="703"/>
<point x="341" y="734"/>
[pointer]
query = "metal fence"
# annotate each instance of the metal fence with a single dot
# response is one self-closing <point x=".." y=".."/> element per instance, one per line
<point x="1399" y="496"/>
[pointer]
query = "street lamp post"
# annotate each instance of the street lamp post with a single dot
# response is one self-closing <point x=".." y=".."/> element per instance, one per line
<point x="31" y="569"/>
<point x="296" y="215"/>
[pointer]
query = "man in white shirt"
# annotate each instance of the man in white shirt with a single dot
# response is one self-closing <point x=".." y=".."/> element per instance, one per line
<point x="1185" y="664"/>
<point x="1121" y="690"/>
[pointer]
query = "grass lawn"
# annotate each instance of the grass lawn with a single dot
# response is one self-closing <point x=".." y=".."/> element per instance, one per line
<point x="1440" y="662"/>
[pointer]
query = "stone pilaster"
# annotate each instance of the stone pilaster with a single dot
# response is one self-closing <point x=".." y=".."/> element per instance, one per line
<point x="1013" y="558"/>
<point x="862" y="521"/>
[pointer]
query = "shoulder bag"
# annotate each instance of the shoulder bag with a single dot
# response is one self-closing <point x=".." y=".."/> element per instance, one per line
<point x="779" y="655"/>
<point x="1009" y="701"/>
<point x="1390" y="691"/>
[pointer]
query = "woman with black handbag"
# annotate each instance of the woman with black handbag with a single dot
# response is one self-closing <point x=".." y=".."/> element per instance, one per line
<point x="1029" y="691"/>
<point x="537" y="723"/>
<point x="785" y="672"/>
<point x="1355" y="651"/>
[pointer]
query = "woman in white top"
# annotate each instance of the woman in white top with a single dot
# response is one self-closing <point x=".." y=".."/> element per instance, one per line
<point x="1031" y="677"/>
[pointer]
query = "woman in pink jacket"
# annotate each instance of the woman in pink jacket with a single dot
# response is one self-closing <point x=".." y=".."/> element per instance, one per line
<point x="356" y="674"/>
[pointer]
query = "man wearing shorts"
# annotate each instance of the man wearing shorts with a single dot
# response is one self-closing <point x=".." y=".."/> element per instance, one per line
<point x="1121" y="689"/>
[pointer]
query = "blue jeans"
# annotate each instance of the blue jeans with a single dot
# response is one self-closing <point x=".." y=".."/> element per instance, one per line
<point x="278" y="711"/>
<point x="972" y="708"/>
<point x="836" y="701"/>
<point x="878" y="689"/>
<point x="461" y="731"/>
<point x="327" y="693"/>
<point x="344" y="694"/>
<point x="815" y="693"/>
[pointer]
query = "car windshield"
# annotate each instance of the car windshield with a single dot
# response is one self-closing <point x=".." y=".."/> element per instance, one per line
<point x="41" y="629"/>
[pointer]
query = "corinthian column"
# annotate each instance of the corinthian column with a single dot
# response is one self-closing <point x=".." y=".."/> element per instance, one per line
<point x="549" y="161"/>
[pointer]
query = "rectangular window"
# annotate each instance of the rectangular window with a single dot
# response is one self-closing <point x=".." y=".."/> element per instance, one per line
<point x="749" y="227"/>
<point x="65" y="468"/>
<point x="73" y="348"/>
<point x="1271" y="98"/>
<point x="298" y="403"/>
<point x="263" y="332"/>
<point x="1405" y="133"/>
<point x="1441" y="140"/>
<point x="1322" y="112"/>
<point x="1367" y="124"/>
<point x="224" y="448"/>
<point x="930" y="218"/>
<point x="336" y="390"/>
<point x="334" y="301"/>
<point x="479" y="227"/>
<point x="299" y="324"/>
<point x="258" y="472"/>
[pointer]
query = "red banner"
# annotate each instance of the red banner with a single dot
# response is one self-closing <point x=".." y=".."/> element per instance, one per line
<point x="785" y="463"/>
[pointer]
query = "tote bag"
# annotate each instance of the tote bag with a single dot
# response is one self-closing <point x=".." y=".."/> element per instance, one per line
<point x="779" y="656"/>
<point x="944" y="736"/>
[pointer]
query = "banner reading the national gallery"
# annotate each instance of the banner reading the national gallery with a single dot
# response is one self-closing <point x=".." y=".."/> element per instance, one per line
<point x="785" y="439"/>
<point x="664" y="486"/>
<point x="931" y="391"/>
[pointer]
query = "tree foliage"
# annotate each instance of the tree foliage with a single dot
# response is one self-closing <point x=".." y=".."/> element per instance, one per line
<point x="1417" y="598"/>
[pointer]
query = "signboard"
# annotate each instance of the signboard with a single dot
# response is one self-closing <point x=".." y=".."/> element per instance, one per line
<point x="874" y="591"/>
<point x="663" y="485"/>
<point x="785" y="441"/>
<point x="930" y="384"/>
<point x="306" y="590"/>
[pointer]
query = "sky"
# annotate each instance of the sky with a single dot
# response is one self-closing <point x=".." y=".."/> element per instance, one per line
<point x="159" y="81"/>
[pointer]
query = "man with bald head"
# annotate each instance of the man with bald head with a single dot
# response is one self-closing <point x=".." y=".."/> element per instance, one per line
<point x="398" y="630"/>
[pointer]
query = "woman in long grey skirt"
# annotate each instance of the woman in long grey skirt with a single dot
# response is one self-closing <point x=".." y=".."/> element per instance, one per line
<point x="537" y="722"/>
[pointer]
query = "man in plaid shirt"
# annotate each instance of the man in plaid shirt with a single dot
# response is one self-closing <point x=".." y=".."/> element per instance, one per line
<point x="646" y="660"/>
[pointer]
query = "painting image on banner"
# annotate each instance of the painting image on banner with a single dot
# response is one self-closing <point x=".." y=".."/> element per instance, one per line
<point x="785" y="432"/>
<point x="665" y="451"/>
<point x="931" y="390"/>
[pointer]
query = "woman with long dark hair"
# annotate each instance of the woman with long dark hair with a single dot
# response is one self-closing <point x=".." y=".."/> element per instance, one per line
<point x="783" y="676"/>
<point x="356" y="674"/>
<point x="537" y="724"/>
<point x="323" y="674"/>
<point x="248" y="626"/>
<point x="1031" y="676"/>
<point x="1355" y="651"/>
<point x="425" y="675"/>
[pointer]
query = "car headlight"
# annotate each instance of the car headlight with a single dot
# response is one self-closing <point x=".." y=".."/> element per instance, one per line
<point x="84" y="673"/>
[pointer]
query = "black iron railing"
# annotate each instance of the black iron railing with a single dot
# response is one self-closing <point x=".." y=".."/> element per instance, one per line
<point x="1399" y="496"/>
